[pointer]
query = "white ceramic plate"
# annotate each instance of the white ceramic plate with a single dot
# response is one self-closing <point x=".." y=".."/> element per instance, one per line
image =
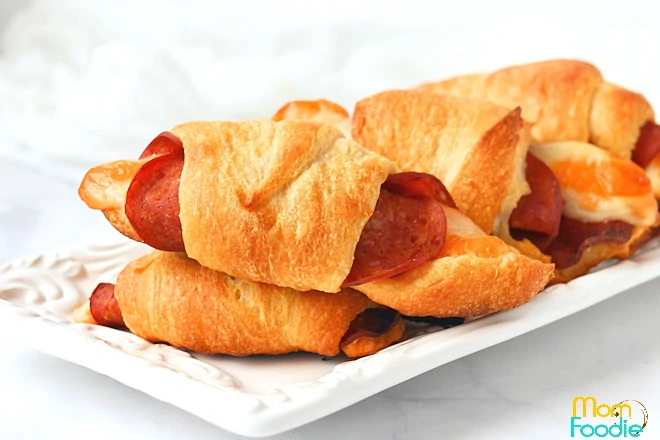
<point x="262" y="395"/>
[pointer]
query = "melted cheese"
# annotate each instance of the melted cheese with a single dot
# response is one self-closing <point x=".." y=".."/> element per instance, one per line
<point x="599" y="186"/>
<point x="460" y="225"/>
<point x="653" y="173"/>
<point x="465" y="237"/>
<point x="104" y="187"/>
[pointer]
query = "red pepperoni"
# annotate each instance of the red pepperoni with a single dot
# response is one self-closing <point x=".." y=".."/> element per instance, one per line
<point x="164" y="143"/>
<point x="104" y="306"/>
<point x="648" y="144"/>
<point x="403" y="233"/>
<point x="538" y="214"/>
<point x="370" y="323"/>
<point x="152" y="203"/>
<point x="575" y="237"/>
<point x="413" y="184"/>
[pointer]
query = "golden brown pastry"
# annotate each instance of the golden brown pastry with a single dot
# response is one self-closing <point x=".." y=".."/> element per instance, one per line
<point x="297" y="197"/>
<point x="477" y="274"/>
<point x="568" y="100"/>
<point x="320" y="110"/>
<point x="564" y="100"/>
<point x="167" y="297"/>
<point x="477" y="149"/>
<point x="283" y="203"/>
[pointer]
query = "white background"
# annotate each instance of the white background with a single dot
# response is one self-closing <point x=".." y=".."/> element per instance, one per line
<point x="83" y="82"/>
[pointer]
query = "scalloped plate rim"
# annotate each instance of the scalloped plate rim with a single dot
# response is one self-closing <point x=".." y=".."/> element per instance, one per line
<point x="301" y="404"/>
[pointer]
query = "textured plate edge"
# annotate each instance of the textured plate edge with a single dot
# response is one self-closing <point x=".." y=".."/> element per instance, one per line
<point x="304" y="406"/>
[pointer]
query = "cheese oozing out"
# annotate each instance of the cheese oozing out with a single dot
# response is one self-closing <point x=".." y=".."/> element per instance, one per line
<point x="104" y="187"/>
<point x="653" y="173"/>
<point x="599" y="186"/>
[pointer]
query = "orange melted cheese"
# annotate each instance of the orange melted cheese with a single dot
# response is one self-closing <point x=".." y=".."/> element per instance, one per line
<point x="598" y="185"/>
<point x="465" y="237"/>
<point x="617" y="178"/>
<point x="105" y="186"/>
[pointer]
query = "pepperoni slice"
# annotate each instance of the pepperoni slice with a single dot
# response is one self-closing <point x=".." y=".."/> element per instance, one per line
<point x="104" y="306"/>
<point x="411" y="184"/>
<point x="370" y="323"/>
<point x="575" y="237"/>
<point x="538" y="214"/>
<point x="152" y="203"/>
<point x="648" y="144"/>
<point x="164" y="143"/>
<point x="402" y="233"/>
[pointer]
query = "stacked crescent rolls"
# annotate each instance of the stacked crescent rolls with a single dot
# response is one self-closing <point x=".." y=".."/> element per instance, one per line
<point x="319" y="232"/>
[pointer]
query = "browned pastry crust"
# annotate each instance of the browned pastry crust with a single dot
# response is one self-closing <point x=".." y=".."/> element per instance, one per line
<point x="167" y="297"/>
<point x="564" y="100"/>
<point x="476" y="275"/>
<point x="283" y="203"/>
<point x="321" y="110"/>
<point x="476" y="148"/>
<point x="617" y="114"/>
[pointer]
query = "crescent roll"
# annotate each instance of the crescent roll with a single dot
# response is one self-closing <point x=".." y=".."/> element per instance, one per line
<point x="477" y="274"/>
<point x="568" y="100"/>
<point x="167" y="297"/>
<point x="609" y="209"/>
<point x="476" y="148"/>
<point x="283" y="203"/>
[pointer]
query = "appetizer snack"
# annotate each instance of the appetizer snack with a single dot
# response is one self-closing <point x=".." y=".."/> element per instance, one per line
<point x="568" y="100"/>
<point x="476" y="274"/>
<point x="477" y="149"/>
<point x="289" y="203"/>
<point x="167" y="297"/>
<point x="422" y="131"/>
<point x="609" y="207"/>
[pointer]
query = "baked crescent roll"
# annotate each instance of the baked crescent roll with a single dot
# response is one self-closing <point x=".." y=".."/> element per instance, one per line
<point x="289" y="203"/>
<point x="476" y="148"/>
<point x="568" y="100"/>
<point x="609" y="208"/>
<point x="477" y="274"/>
<point x="167" y="297"/>
<point x="286" y="202"/>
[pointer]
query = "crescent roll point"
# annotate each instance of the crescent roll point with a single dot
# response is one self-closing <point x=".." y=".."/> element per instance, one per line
<point x="168" y="297"/>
